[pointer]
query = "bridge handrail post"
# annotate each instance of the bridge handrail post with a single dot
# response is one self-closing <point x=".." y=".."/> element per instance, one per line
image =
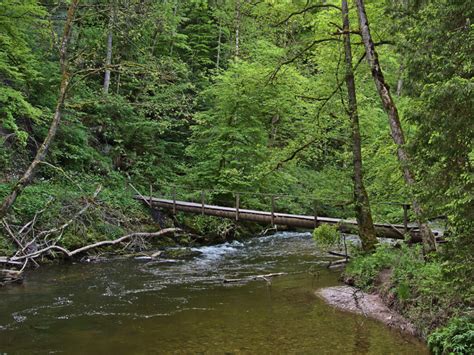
<point x="151" y="194"/>
<point x="202" y="202"/>
<point x="406" y="207"/>
<point x="273" y="211"/>
<point x="174" y="200"/>
<point x="315" y="210"/>
<point x="237" y="206"/>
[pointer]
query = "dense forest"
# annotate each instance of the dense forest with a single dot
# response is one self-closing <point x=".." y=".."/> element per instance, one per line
<point x="352" y="108"/>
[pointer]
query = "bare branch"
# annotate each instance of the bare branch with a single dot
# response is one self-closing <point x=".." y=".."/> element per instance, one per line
<point x="96" y="245"/>
<point x="311" y="141"/>
<point x="306" y="9"/>
<point x="299" y="54"/>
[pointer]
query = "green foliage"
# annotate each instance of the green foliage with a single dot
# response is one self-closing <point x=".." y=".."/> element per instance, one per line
<point x="6" y="247"/>
<point x="211" y="228"/>
<point x="440" y="43"/>
<point x="326" y="236"/>
<point x="19" y="65"/>
<point x="365" y="268"/>
<point x="424" y="291"/>
<point x="457" y="337"/>
<point x="183" y="108"/>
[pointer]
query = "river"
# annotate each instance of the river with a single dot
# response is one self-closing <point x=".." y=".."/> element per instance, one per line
<point x="126" y="306"/>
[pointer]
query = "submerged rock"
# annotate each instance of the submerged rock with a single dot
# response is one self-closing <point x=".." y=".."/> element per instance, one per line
<point x="353" y="300"/>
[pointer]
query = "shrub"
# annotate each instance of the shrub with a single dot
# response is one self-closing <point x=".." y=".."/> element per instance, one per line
<point x="326" y="236"/>
<point x="457" y="337"/>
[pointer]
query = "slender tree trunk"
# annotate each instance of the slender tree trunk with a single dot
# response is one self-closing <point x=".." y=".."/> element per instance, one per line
<point x="361" y="200"/>
<point x="400" y="81"/>
<point x="237" y="27"/>
<point x="219" y="40"/>
<point x="173" y="34"/>
<point x="29" y="174"/>
<point x="429" y="244"/>
<point x="108" y="59"/>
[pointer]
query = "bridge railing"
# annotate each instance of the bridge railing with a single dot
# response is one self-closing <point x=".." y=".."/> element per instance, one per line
<point x="305" y="204"/>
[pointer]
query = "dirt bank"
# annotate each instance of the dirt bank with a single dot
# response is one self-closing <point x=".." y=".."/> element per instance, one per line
<point x="351" y="299"/>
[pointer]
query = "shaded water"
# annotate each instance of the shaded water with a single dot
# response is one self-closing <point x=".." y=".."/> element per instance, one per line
<point x="130" y="306"/>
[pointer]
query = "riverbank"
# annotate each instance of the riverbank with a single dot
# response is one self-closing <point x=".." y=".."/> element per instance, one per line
<point x="352" y="299"/>
<point x="56" y="220"/>
<point x="420" y="296"/>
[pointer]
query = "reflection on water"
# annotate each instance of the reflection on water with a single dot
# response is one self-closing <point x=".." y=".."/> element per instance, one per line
<point x="183" y="306"/>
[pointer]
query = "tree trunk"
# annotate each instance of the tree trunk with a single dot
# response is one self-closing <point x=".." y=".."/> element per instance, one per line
<point x="400" y="81"/>
<point x="429" y="244"/>
<point x="28" y="175"/>
<point x="361" y="200"/>
<point x="219" y="40"/>
<point x="237" y="28"/>
<point x="173" y="34"/>
<point x="108" y="59"/>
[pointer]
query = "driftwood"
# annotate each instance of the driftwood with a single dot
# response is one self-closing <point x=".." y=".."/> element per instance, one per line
<point x="5" y="260"/>
<point x="10" y="276"/>
<point x="266" y="277"/>
<point x="95" y="245"/>
<point x="336" y="263"/>
<point x="338" y="254"/>
<point x="40" y="240"/>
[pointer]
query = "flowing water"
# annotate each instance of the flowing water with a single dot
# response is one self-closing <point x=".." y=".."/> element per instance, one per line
<point x="125" y="306"/>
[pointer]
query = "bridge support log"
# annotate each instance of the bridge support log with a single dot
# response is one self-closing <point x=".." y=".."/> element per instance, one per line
<point x="385" y="230"/>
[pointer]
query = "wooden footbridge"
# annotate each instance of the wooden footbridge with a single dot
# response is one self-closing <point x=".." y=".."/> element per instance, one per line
<point x="273" y="218"/>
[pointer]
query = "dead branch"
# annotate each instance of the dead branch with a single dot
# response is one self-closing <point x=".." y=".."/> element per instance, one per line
<point x="31" y="223"/>
<point x="5" y="260"/>
<point x="143" y="198"/>
<point x="265" y="277"/>
<point x="338" y="254"/>
<point x="10" y="232"/>
<point x="337" y="263"/>
<point x="96" y="245"/>
<point x="10" y="276"/>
